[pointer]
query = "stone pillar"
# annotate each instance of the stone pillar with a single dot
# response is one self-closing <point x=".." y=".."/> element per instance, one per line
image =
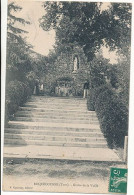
<point x="125" y="149"/>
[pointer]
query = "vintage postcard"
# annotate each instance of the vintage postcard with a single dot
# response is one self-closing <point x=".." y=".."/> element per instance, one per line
<point x="67" y="96"/>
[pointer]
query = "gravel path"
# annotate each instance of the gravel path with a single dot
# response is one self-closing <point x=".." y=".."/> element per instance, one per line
<point x="72" y="172"/>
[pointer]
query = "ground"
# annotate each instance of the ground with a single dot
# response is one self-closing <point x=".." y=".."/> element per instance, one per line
<point x="76" y="172"/>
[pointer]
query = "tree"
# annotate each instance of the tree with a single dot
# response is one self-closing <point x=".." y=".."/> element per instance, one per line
<point x="98" y="70"/>
<point x="90" y="27"/>
<point x="18" y="50"/>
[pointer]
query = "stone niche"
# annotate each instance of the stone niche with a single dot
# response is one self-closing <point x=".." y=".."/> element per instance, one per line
<point x="76" y="63"/>
<point x="64" y="87"/>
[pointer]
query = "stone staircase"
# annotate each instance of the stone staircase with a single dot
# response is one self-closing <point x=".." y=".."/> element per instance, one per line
<point x="53" y="127"/>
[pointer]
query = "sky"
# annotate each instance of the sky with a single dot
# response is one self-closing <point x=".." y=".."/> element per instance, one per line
<point x="44" y="41"/>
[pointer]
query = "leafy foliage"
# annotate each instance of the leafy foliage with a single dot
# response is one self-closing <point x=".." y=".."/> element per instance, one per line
<point x="93" y="95"/>
<point x="19" y="63"/>
<point x="112" y="114"/>
<point x="86" y="24"/>
<point x="91" y="27"/>
<point x="98" y="69"/>
<point x="18" y="50"/>
<point x="113" y="117"/>
<point x="17" y="93"/>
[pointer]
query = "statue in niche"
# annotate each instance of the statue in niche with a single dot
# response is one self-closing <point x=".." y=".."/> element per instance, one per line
<point x="76" y="63"/>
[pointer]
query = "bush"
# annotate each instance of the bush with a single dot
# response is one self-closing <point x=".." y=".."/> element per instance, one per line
<point x="31" y="77"/>
<point x="16" y="94"/>
<point x="27" y="91"/>
<point x="113" y="117"/>
<point x="15" y="91"/>
<point x="90" y="101"/>
<point x="93" y="94"/>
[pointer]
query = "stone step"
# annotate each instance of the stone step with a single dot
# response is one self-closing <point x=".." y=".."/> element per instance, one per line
<point x="50" y="125"/>
<point x="89" y="121"/>
<point x="57" y="103"/>
<point x="54" y="116"/>
<point x="56" y="132"/>
<point x="62" y="104"/>
<point x="52" y="110"/>
<point x="45" y="116"/>
<point x="56" y="128"/>
<point x="62" y="153"/>
<point x="50" y="99"/>
<point x="58" y="114"/>
<point x="58" y="107"/>
<point x="20" y="142"/>
<point x="55" y="138"/>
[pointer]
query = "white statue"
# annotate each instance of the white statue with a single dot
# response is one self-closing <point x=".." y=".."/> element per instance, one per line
<point x="75" y="63"/>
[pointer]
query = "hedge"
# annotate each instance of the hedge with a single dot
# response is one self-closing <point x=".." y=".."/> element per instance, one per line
<point x="91" y="101"/>
<point x="16" y="94"/>
<point x="93" y="94"/>
<point x="112" y="114"/>
<point x="113" y="117"/>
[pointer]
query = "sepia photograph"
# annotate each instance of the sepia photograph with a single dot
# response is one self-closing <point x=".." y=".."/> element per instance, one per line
<point x="67" y="96"/>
